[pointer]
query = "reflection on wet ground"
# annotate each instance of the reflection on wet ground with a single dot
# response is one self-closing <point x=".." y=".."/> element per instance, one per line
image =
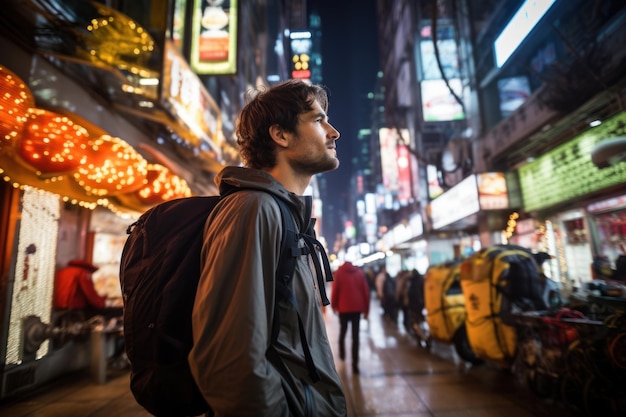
<point x="398" y="378"/>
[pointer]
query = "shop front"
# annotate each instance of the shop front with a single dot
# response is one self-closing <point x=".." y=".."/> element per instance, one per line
<point x="80" y="159"/>
<point x="608" y="222"/>
<point x="405" y="246"/>
<point x="577" y="207"/>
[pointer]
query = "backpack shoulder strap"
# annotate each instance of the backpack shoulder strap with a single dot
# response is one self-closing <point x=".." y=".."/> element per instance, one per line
<point x="289" y="252"/>
<point x="288" y="245"/>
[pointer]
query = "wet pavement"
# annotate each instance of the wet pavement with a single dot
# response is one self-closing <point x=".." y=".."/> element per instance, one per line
<point x="397" y="378"/>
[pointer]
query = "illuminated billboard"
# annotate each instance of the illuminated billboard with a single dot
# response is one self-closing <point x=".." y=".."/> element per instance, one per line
<point x="177" y="34"/>
<point x="492" y="191"/>
<point x="513" y="91"/>
<point x="388" y="141"/>
<point x="447" y="54"/>
<point x="438" y="103"/>
<point x="518" y="28"/>
<point x="567" y="171"/>
<point x="214" y="37"/>
<point x="186" y="98"/>
<point x="483" y="191"/>
<point x="434" y="186"/>
<point x="457" y="203"/>
<point x="403" y="162"/>
<point x="301" y="45"/>
<point x="395" y="164"/>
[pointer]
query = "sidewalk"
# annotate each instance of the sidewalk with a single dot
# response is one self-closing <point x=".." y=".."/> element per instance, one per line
<point x="396" y="379"/>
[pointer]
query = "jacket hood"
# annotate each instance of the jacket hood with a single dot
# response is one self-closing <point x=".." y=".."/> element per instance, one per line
<point x="233" y="178"/>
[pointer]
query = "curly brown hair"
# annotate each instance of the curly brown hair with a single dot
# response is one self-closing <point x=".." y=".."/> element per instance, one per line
<point x="281" y="104"/>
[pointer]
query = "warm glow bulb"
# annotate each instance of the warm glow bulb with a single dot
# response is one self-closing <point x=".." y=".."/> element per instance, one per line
<point x="113" y="167"/>
<point x="52" y="143"/>
<point x="15" y="100"/>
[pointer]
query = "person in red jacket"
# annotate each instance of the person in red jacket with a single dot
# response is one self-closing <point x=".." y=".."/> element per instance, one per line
<point x="350" y="297"/>
<point x="74" y="290"/>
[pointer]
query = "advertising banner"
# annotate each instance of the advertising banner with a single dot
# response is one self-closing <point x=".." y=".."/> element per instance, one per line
<point x="567" y="171"/>
<point x="214" y="37"/>
<point x="301" y="47"/>
<point x="492" y="191"/>
<point x="186" y="98"/>
<point x="457" y="203"/>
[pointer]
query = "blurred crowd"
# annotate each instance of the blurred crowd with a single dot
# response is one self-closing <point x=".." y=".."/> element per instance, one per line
<point x="402" y="296"/>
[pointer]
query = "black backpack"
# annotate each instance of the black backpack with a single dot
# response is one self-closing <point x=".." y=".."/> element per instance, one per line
<point x="159" y="273"/>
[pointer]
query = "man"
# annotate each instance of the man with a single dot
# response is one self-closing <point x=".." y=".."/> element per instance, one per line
<point x="285" y="138"/>
<point x="75" y="290"/>
<point x="349" y="298"/>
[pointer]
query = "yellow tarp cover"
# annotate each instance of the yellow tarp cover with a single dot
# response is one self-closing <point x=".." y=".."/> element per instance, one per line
<point x="445" y="312"/>
<point x="481" y="274"/>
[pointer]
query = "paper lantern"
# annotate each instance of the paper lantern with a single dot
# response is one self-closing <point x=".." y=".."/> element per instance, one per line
<point x="52" y="143"/>
<point x="162" y="185"/>
<point x="113" y="167"/>
<point x="15" y="100"/>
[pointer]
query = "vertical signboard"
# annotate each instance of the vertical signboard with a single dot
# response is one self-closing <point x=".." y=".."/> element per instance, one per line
<point x="178" y="24"/>
<point x="388" y="158"/>
<point x="395" y="164"/>
<point x="186" y="98"/>
<point x="214" y="37"/>
<point x="492" y="191"/>
<point x="438" y="102"/>
<point x="404" y="174"/>
<point x="434" y="186"/>
<point x="301" y="45"/>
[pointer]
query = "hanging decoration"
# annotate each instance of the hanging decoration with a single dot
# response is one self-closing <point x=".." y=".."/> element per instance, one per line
<point x="162" y="185"/>
<point x="52" y="143"/>
<point x="113" y="167"/>
<point x="15" y="100"/>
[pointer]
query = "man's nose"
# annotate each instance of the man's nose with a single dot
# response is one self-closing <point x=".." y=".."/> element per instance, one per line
<point x="335" y="133"/>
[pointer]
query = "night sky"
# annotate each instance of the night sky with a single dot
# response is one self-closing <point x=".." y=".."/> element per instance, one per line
<point x="350" y="62"/>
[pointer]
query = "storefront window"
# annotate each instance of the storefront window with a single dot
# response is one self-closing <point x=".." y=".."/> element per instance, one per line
<point x="611" y="229"/>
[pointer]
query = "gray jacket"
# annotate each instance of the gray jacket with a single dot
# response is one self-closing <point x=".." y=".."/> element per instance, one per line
<point x="233" y="311"/>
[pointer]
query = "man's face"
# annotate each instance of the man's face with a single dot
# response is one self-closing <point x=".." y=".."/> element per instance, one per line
<point x="313" y="148"/>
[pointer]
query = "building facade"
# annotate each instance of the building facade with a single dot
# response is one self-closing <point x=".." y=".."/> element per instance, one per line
<point x="512" y="114"/>
<point x="106" y="109"/>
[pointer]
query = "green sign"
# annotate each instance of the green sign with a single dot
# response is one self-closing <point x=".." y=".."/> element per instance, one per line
<point x="566" y="172"/>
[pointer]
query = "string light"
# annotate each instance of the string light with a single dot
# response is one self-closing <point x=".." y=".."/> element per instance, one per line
<point x="511" y="224"/>
<point x="15" y="100"/>
<point x="162" y="186"/>
<point x="33" y="285"/>
<point x="52" y="143"/>
<point x="113" y="167"/>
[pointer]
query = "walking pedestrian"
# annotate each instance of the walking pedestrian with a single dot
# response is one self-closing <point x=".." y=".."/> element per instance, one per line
<point x="350" y="298"/>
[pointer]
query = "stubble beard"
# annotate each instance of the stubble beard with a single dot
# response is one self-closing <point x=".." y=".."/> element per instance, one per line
<point x="316" y="167"/>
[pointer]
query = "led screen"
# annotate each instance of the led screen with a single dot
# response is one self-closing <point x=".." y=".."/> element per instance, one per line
<point x="438" y="103"/>
<point x="518" y="28"/>
<point x="214" y="37"/>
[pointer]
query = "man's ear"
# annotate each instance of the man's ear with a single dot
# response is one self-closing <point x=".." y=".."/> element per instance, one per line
<point x="279" y="135"/>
